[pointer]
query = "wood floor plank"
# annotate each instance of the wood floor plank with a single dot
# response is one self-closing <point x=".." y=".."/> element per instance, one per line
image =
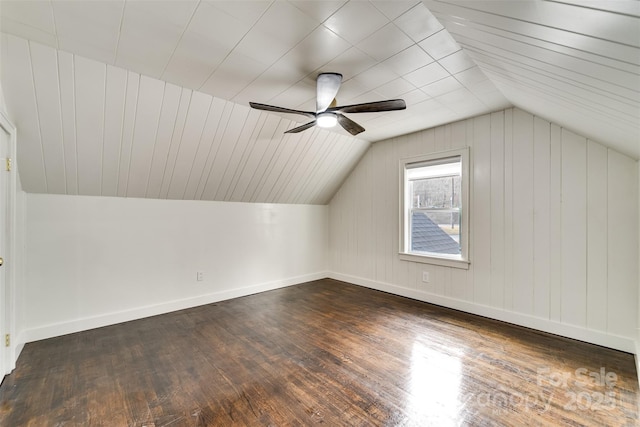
<point x="324" y="352"/>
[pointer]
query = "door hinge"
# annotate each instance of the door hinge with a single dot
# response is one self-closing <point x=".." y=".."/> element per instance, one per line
<point x="7" y="340"/>
<point x="8" y="165"/>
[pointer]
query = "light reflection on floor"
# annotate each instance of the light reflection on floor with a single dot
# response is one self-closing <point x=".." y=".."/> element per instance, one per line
<point x="434" y="384"/>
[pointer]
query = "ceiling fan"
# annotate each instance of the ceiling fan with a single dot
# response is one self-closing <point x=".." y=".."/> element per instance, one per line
<point x="327" y="113"/>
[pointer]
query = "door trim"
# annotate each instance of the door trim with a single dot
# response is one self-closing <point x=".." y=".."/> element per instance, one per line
<point x="10" y="257"/>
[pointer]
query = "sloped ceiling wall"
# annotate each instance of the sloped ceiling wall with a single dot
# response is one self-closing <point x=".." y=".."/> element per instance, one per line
<point x="573" y="62"/>
<point x="93" y="129"/>
<point x="90" y="127"/>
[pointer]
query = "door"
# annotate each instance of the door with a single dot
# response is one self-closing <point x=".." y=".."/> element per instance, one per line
<point x="6" y="306"/>
<point x="5" y="300"/>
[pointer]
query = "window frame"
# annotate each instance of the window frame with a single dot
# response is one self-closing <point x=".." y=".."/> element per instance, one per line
<point x="457" y="261"/>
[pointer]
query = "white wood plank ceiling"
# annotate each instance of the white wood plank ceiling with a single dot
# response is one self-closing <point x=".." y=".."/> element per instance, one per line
<point x="94" y="129"/>
<point x="574" y="62"/>
<point x="149" y="98"/>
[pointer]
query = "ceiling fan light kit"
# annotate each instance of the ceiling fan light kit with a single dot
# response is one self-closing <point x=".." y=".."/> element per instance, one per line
<point x="327" y="114"/>
<point x="326" y="120"/>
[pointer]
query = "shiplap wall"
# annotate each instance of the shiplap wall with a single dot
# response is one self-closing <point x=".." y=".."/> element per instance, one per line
<point x="553" y="228"/>
<point x="93" y="129"/>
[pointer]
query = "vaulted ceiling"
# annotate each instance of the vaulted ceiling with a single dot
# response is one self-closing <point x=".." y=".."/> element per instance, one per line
<point x="150" y="98"/>
<point x="573" y="62"/>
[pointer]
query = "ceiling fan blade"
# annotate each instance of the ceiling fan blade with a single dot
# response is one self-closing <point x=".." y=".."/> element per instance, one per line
<point x="349" y="125"/>
<point x="301" y="128"/>
<point x="327" y="85"/>
<point x="372" y="107"/>
<point x="275" y="109"/>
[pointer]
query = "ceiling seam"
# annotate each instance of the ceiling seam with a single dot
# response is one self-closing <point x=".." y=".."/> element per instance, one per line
<point x="115" y="53"/>
<point x="133" y="135"/>
<point x="538" y="24"/>
<point x="295" y="172"/>
<point x="539" y="90"/>
<point x="271" y="175"/>
<point x="170" y="138"/>
<point x="265" y="174"/>
<point x="302" y="145"/>
<point x="178" y="141"/>
<point x="195" y="153"/>
<point x="339" y="171"/>
<point x="280" y="127"/>
<point x="568" y="82"/>
<point x="124" y="107"/>
<point x="282" y="169"/>
<point x="573" y="98"/>
<point x="553" y="52"/>
<point x="55" y="25"/>
<point x="478" y="27"/>
<point x="229" y="107"/>
<point x="630" y="15"/>
<point x="321" y="24"/>
<point x="252" y="154"/>
<point x="498" y="48"/>
<point x="208" y="164"/>
<point x="155" y="138"/>
<point x="171" y="142"/>
<point x="321" y="165"/>
<point x="62" y="135"/>
<point x="266" y="147"/>
<point x="250" y="143"/>
<point x="193" y="13"/>
<point x="228" y="162"/>
<point x="339" y="157"/>
<point x="317" y="147"/>
<point x="236" y="45"/>
<point x="315" y="185"/>
<point x="35" y="98"/>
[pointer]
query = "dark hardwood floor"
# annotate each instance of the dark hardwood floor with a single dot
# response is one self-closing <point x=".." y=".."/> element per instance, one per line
<point x="322" y="352"/>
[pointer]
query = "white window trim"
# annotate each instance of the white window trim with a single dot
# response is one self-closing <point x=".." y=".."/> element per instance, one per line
<point x="455" y="261"/>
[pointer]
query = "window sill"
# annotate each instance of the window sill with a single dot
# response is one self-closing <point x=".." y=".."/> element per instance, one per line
<point x="426" y="259"/>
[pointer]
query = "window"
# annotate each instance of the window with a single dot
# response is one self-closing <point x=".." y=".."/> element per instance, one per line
<point x="434" y="208"/>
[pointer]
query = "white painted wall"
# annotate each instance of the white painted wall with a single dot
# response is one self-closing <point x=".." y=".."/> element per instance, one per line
<point x="93" y="261"/>
<point x="553" y="232"/>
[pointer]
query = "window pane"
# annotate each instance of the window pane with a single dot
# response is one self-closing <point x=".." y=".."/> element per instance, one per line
<point x="435" y="232"/>
<point x="435" y="208"/>
<point x="436" y="193"/>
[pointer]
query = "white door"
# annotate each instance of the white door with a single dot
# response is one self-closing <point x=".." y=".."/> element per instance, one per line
<point x="4" y="244"/>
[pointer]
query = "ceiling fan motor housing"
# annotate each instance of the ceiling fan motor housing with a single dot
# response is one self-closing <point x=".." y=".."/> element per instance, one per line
<point x="328" y="114"/>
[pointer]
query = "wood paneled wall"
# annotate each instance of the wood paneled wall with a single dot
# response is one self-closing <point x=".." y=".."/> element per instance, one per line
<point x="553" y="228"/>
<point x="93" y="129"/>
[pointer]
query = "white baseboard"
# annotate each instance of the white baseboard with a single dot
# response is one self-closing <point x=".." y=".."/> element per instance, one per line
<point x="83" y="324"/>
<point x="545" y="325"/>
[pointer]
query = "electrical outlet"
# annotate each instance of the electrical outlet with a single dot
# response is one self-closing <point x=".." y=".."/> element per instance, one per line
<point x="199" y="276"/>
<point x="425" y="276"/>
